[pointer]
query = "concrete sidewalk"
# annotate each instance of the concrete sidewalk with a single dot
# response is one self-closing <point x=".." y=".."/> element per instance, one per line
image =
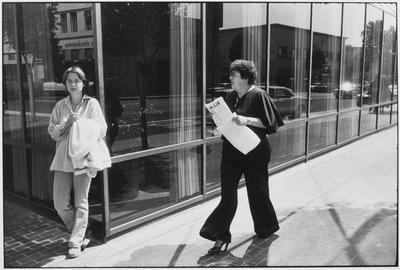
<point x="339" y="209"/>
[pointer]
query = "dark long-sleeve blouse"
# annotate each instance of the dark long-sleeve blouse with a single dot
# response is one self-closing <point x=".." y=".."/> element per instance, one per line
<point x="256" y="103"/>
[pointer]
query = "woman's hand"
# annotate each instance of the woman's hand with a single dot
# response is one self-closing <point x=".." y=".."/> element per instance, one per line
<point x="71" y="119"/>
<point x="240" y="120"/>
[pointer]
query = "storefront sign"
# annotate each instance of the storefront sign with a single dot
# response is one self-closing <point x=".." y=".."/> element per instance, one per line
<point x="82" y="43"/>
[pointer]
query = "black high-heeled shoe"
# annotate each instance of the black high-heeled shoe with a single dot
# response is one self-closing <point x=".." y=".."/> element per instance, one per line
<point x="217" y="249"/>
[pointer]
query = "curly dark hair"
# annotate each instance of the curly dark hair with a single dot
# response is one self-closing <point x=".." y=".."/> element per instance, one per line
<point x="80" y="73"/>
<point x="246" y="68"/>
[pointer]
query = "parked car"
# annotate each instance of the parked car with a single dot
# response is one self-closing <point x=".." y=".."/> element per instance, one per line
<point x="219" y="90"/>
<point x="289" y="104"/>
<point x="347" y="90"/>
<point x="320" y="88"/>
<point x="394" y="89"/>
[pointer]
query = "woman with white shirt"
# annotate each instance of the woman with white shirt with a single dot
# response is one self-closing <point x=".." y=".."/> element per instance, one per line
<point x="68" y="110"/>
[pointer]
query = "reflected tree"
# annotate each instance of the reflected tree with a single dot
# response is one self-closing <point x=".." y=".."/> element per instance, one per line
<point x="36" y="24"/>
<point x="139" y="30"/>
<point x="372" y="42"/>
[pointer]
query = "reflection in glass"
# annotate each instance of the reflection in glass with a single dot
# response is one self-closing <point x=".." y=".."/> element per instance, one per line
<point x="388" y="51"/>
<point x="15" y="173"/>
<point x="348" y="125"/>
<point x="322" y="133"/>
<point x="12" y="120"/>
<point x="394" y="113"/>
<point x="383" y="116"/>
<point x="234" y="31"/>
<point x="141" y="186"/>
<point x="353" y="25"/>
<point x="289" y="143"/>
<point x="213" y="160"/>
<point x="43" y="51"/>
<point x="64" y="25"/>
<point x="368" y="120"/>
<point x="152" y="70"/>
<point x="396" y="83"/>
<point x="325" y="57"/>
<point x="289" y="58"/>
<point x="372" y="55"/>
<point x="73" y="21"/>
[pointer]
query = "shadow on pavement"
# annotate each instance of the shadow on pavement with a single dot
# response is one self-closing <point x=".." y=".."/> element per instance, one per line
<point x="256" y="254"/>
<point x="352" y="251"/>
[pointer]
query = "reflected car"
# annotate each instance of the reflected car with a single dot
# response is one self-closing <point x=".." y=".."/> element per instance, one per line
<point x="347" y="90"/>
<point x="320" y="88"/>
<point x="366" y="98"/>
<point x="58" y="89"/>
<point x="53" y="86"/>
<point x="394" y="89"/>
<point x="219" y="90"/>
<point x="289" y="104"/>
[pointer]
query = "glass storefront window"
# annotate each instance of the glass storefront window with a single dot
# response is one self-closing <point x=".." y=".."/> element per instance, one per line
<point x="388" y="51"/>
<point x="153" y="76"/>
<point x="353" y="25"/>
<point x="234" y="31"/>
<point x="348" y="125"/>
<point x="325" y="57"/>
<point x="73" y="21"/>
<point x="88" y="20"/>
<point x="144" y="185"/>
<point x="152" y="73"/>
<point x="322" y="133"/>
<point x="64" y="25"/>
<point x="394" y="113"/>
<point x="368" y="120"/>
<point x="43" y="64"/>
<point x="396" y="81"/>
<point x="12" y="106"/>
<point x="289" y="58"/>
<point x="288" y="143"/>
<point x="383" y="116"/>
<point x="213" y="165"/>
<point x="373" y="39"/>
<point x="15" y="172"/>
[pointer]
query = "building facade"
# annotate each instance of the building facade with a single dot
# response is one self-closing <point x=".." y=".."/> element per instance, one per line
<point x="331" y="69"/>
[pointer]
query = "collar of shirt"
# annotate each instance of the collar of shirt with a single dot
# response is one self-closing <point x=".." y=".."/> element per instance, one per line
<point x="69" y="104"/>
<point x="239" y="98"/>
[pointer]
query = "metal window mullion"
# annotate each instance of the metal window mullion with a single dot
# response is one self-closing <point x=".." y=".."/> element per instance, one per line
<point x="309" y="86"/>
<point x="204" y="80"/>
<point x="394" y="61"/>
<point x="268" y="50"/>
<point x="17" y="27"/>
<point x="99" y="66"/>
<point x="380" y="71"/>
<point x="340" y="74"/>
<point x="363" y="70"/>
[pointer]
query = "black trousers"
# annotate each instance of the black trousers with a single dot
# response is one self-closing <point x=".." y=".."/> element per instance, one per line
<point x="254" y="166"/>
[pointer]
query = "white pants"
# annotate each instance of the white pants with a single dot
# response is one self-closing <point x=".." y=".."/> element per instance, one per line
<point x="75" y="217"/>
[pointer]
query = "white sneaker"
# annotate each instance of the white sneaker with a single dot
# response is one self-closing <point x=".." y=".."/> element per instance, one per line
<point x="74" y="252"/>
<point x="85" y="243"/>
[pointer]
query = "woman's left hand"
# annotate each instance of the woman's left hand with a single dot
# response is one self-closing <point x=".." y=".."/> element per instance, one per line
<point x="240" y="120"/>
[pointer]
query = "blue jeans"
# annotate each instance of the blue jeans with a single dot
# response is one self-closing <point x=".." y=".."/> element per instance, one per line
<point x="75" y="216"/>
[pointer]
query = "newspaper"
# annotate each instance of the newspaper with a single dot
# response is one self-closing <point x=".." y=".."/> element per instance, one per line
<point x="241" y="137"/>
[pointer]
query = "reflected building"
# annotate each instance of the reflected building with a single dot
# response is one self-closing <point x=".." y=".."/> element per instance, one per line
<point x="152" y="66"/>
<point x="74" y="33"/>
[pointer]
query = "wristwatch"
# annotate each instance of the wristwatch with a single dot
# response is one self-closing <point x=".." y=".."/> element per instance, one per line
<point x="247" y="120"/>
